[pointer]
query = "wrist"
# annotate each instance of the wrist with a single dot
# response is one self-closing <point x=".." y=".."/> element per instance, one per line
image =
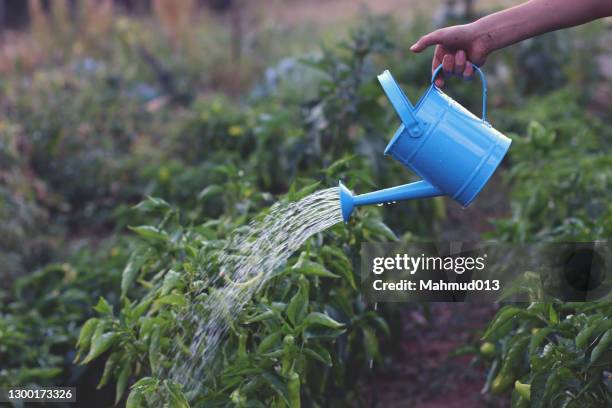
<point x="482" y="39"/>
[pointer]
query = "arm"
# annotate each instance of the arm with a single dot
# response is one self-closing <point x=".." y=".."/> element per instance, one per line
<point x="458" y="45"/>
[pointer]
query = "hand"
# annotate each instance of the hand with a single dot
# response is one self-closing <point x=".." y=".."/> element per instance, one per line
<point x="457" y="47"/>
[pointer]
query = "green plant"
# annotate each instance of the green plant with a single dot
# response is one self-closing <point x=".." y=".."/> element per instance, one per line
<point x="304" y="334"/>
<point x="559" y="175"/>
<point x="553" y="354"/>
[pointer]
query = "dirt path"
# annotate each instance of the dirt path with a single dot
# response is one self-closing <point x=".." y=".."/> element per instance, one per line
<point x="425" y="374"/>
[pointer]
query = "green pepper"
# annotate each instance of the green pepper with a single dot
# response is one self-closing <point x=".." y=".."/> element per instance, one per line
<point x="585" y="334"/>
<point x="487" y="349"/>
<point x="604" y="343"/>
<point x="293" y="389"/>
<point x="109" y="369"/>
<point x="238" y="398"/>
<point x="502" y="382"/>
<point x="288" y="343"/>
<point x="524" y="390"/>
<point x="242" y="340"/>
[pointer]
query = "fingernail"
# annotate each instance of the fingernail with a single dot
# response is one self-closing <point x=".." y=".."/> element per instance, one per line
<point x="413" y="47"/>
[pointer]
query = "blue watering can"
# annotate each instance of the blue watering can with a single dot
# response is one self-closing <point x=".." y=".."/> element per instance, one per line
<point x="453" y="151"/>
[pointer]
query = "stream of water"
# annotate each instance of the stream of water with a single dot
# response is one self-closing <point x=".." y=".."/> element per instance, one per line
<point x="246" y="262"/>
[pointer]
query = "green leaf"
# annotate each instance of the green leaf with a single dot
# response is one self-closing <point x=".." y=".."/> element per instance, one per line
<point x="380" y="323"/>
<point x="316" y="318"/>
<point x="503" y="316"/>
<point x="146" y="383"/>
<point x="141" y="308"/>
<point x="135" y="399"/>
<point x="379" y="228"/>
<point x="293" y="195"/>
<point x="177" y="398"/>
<point x="553" y="380"/>
<point x="318" y="353"/>
<point x="152" y="204"/>
<point x="537" y="338"/>
<point x="538" y="388"/>
<point x="38" y="374"/>
<point x="277" y="385"/>
<point x="174" y="299"/>
<point x="339" y="261"/>
<point x="266" y="315"/>
<point x="370" y="343"/>
<point x="103" y="307"/>
<point x="171" y="280"/>
<point x="151" y="233"/>
<point x="99" y="344"/>
<point x="154" y="348"/>
<point x="516" y="354"/>
<point x="338" y="164"/>
<point x="269" y="341"/>
<point x="137" y="259"/>
<point x="307" y="267"/>
<point x="210" y="191"/>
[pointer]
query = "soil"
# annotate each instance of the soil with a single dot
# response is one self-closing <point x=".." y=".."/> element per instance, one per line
<point x="425" y="373"/>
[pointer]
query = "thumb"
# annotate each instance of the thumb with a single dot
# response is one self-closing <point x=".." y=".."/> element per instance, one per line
<point x="426" y="41"/>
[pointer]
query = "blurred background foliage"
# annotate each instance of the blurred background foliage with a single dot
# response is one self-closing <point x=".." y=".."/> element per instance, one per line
<point x="222" y="107"/>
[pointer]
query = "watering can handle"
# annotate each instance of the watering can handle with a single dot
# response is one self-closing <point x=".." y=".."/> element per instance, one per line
<point x="401" y="103"/>
<point x="484" y="88"/>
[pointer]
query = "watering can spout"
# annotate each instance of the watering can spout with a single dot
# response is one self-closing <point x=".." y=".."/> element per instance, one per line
<point x="419" y="189"/>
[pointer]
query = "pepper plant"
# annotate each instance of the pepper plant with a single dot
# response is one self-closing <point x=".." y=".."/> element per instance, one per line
<point x="305" y="334"/>
<point x="554" y="354"/>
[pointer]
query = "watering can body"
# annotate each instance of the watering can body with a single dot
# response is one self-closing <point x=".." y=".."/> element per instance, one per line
<point x="452" y="150"/>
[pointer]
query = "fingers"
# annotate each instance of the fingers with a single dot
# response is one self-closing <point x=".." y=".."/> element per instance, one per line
<point x="459" y="63"/>
<point x="468" y="71"/>
<point x="452" y="64"/>
<point x="448" y="64"/>
<point x="426" y="41"/>
<point x="437" y="60"/>
<point x="454" y="61"/>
